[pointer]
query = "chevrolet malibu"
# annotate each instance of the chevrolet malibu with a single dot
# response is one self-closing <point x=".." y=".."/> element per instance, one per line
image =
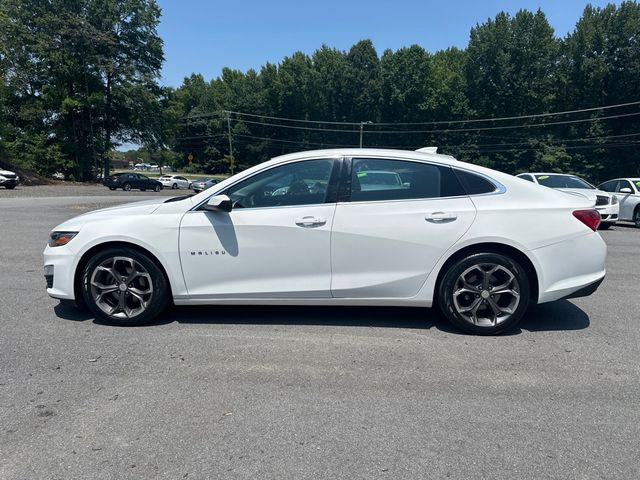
<point x="310" y="229"/>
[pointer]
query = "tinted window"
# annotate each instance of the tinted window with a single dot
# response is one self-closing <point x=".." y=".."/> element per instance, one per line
<point x="373" y="179"/>
<point x="609" y="186"/>
<point x="300" y="183"/>
<point x="528" y="178"/>
<point x="475" y="184"/>
<point x="142" y="177"/>
<point x="625" y="184"/>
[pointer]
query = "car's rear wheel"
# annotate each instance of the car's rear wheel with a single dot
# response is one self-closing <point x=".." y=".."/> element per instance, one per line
<point x="9" y="187"/>
<point x="126" y="187"/>
<point x="122" y="286"/>
<point x="636" y="217"/>
<point x="174" y="186"/>
<point x="112" y="188"/>
<point x="484" y="293"/>
<point x="157" y="188"/>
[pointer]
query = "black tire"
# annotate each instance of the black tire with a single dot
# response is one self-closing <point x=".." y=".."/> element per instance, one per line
<point x="482" y="297"/>
<point x="126" y="187"/>
<point x="157" y="188"/>
<point x="9" y="187"/>
<point x="112" y="188"/>
<point x="153" y="279"/>
<point x="636" y="217"/>
<point x="605" y="226"/>
<point x="174" y="186"/>
<point x="143" y="189"/>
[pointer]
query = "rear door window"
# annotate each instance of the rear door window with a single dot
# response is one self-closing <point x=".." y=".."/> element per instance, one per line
<point x="381" y="179"/>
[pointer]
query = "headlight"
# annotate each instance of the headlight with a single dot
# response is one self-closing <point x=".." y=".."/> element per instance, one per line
<point x="57" y="239"/>
<point x="614" y="200"/>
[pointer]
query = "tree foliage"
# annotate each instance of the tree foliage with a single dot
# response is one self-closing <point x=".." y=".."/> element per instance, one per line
<point x="80" y="76"/>
<point x="76" y="74"/>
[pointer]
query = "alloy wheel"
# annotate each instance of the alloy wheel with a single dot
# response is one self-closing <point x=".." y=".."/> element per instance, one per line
<point x="486" y="294"/>
<point x="121" y="287"/>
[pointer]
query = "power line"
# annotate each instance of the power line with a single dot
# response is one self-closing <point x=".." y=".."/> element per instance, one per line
<point x="440" y="122"/>
<point x="451" y="130"/>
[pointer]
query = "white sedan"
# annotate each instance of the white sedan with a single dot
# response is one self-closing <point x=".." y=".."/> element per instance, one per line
<point x="627" y="191"/>
<point x="174" y="182"/>
<point x="480" y="244"/>
<point x="606" y="203"/>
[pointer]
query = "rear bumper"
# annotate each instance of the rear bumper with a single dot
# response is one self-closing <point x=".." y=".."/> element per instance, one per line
<point x="571" y="267"/>
<point x="586" y="291"/>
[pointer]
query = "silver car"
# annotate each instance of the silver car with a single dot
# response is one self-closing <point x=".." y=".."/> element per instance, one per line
<point x="627" y="191"/>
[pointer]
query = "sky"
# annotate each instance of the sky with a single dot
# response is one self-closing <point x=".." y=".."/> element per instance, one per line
<point x="203" y="36"/>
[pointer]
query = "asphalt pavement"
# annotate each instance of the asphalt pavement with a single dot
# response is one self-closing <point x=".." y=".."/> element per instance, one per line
<point x="256" y="392"/>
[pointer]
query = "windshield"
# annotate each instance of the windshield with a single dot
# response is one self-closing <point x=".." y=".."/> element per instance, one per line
<point x="563" y="181"/>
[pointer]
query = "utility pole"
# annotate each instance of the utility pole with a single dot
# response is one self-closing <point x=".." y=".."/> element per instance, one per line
<point x="362" y="124"/>
<point x="232" y="162"/>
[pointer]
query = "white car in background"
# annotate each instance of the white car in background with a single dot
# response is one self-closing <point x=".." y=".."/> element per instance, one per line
<point x="606" y="203"/>
<point x="8" y="179"/>
<point x="627" y="191"/>
<point x="480" y="244"/>
<point x="174" y="182"/>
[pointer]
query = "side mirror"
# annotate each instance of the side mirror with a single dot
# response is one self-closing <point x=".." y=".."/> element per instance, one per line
<point x="625" y="190"/>
<point x="219" y="203"/>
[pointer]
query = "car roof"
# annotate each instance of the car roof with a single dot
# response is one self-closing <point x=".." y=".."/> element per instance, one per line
<point x="552" y="173"/>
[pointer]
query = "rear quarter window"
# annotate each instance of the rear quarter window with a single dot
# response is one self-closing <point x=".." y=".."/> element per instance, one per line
<point x="474" y="184"/>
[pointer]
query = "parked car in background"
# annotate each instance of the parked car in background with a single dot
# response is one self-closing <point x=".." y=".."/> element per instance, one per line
<point x="202" y="184"/>
<point x="174" y="182"/>
<point x="458" y="235"/>
<point x="606" y="204"/>
<point x="627" y="191"/>
<point x="131" y="181"/>
<point x="8" y="179"/>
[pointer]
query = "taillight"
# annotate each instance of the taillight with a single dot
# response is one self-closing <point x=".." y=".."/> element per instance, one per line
<point x="591" y="218"/>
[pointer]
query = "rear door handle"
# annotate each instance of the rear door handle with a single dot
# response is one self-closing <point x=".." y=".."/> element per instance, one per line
<point x="310" y="221"/>
<point x="440" y="217"/>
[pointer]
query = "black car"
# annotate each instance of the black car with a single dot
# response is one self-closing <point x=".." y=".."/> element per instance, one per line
<point x="127" y="181"/>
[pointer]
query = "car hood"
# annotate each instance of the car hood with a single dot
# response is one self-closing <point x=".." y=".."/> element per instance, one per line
<point x="6" y="172"/>
<point x="146" y="207"/>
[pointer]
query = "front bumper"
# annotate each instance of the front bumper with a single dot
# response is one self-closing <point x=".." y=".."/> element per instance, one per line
<point x="59" y="268"/>
<point x="8" y="181"/>
<point x="608" y="213"/>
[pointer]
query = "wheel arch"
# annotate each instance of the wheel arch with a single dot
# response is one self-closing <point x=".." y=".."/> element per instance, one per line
<point x="86" y="256"/>
<point x="493" y="247"/>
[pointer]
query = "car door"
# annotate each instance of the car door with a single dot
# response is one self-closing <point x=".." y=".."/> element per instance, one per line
<point x="275" y="243"/>
<point x="386" y="240"/>
<point x="183" y="182"/>
<point x="628" y="201"/>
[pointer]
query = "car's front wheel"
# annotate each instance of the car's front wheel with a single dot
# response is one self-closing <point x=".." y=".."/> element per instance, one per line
<point x="484" y="293"/>
<point x="126" y="187"/>
<point x="174" y="186"/>
<point x="157" y="188"/>
<point x="636" y="217"/>
<point x="123" y="286"/>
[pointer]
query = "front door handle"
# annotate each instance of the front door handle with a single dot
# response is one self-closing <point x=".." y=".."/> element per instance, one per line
<point x="310" y="221"/>
<point x="440" y="217"/>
